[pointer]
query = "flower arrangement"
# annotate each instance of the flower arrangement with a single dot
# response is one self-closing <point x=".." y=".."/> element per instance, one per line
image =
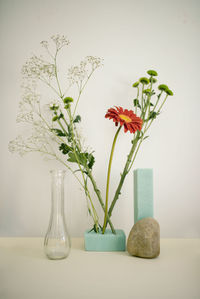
<point x="55" y="126"/>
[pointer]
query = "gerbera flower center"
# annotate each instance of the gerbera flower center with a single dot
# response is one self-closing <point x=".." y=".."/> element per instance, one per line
<point x="125" y="117"/>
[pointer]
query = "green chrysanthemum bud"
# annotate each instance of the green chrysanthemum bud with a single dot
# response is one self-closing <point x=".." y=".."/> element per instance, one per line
<point x="147" y="91"/>
<point x="144" y="80"/>
<point x="68" y="100"/>
<point x="163" y="87"/>
<point x="153" y="80"/>
<point x="55" y="118"/>
<point x="152" y="73"/>
<point x="169" y="92"/>
<point x="54" y="107"/>
<point x="136" y="84"/>
<point x="67" y="106"/>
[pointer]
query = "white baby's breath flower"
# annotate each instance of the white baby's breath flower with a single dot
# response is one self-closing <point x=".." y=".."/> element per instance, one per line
<point x="46" y="135"/>
<point x="95" y="62"/>
<point x="77" y="74"/>
<point x="18" y="145"/>
<point x="60" y="41"/>
<point x="25" y="117"/>
<point x="44" y="44"/>
<point x="37" y="68"/>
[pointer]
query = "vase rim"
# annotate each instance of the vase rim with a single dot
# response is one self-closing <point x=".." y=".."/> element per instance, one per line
<point x="58" y="171"/>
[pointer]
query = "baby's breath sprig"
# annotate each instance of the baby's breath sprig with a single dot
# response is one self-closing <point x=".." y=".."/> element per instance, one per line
<point x="54" y="126"/>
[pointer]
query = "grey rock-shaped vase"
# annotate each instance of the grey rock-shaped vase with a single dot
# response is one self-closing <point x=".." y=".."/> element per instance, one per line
<point x="144" y="238"/>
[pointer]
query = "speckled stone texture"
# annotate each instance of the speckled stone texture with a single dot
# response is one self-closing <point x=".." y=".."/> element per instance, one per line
<point x="144" y="238"/>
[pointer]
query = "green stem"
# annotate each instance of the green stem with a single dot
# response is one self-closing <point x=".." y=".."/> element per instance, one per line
<point x="123" y="175"/>
<point x="98" y="193"/>
<point x="147" y="126"/>
<point x="80" y="92"/>
<point x="108" y="179"/>
<point x="48" y="84"/>
<point x="60" y="124"/>
<point x="137" y="100"/>
<point x="56" y="74"/>
<point x="157" y="111"/>
<point x="95" y="216"/>
<point x="142" y="101"/>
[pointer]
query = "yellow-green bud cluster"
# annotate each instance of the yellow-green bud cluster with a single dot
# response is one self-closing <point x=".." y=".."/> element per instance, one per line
<point x="144" y="80"/>
<point x="152" y="73"/>
<point x="165" y="88"/>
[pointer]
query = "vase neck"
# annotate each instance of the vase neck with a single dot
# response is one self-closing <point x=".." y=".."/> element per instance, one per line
<point x="57" y="191"/>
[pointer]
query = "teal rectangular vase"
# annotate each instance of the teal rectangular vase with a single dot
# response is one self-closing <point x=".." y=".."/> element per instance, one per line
<point x="143" y="193"/>
<point x="105" y="242"/>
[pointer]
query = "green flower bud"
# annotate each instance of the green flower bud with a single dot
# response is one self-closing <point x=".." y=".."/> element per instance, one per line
<point x="169" y="92"/>
<point x="67" y="106"/>
<point x="55" y="118"/>
<point x="153" y="80"/>
<point x="54" y="107"/>
<point x="152" y="73"/>
<point x="136" y="84"/>
<point x="144" y="80"/>
<point x="147" y="91"/>
<point x="163" y="87"/>
<point x="68" y="100"/>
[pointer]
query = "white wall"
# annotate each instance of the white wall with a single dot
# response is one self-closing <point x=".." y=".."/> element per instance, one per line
<point x="132" y="37"/>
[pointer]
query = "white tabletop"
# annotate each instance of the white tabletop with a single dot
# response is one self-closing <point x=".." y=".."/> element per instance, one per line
<point x="25" y="272"/>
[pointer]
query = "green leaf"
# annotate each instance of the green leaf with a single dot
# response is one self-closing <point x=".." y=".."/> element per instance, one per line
<point x="58" y="132"/>
<point x="136" y="103"/>
<point x="91" y="161"/>
<point x="77" y="119"/>
<point x="64" y="148"/>
<point x="85" y="159"/>
<point x="72" y="157"/>
<point x="153" y="115"/>
<point x="69" y="131"/>
<point x="61" y="115"/>
<point x="82" y="159"/>
<point x="77" y="158"/>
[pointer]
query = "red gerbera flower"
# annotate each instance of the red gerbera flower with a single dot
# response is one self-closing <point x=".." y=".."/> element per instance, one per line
<point x="126" y="118"/>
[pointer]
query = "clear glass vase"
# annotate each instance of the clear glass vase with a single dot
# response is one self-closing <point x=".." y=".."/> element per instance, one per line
<point x="57" y="241"/>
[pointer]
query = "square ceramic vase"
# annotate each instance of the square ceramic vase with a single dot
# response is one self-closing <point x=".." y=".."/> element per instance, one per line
<point x="105" y="242"/>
